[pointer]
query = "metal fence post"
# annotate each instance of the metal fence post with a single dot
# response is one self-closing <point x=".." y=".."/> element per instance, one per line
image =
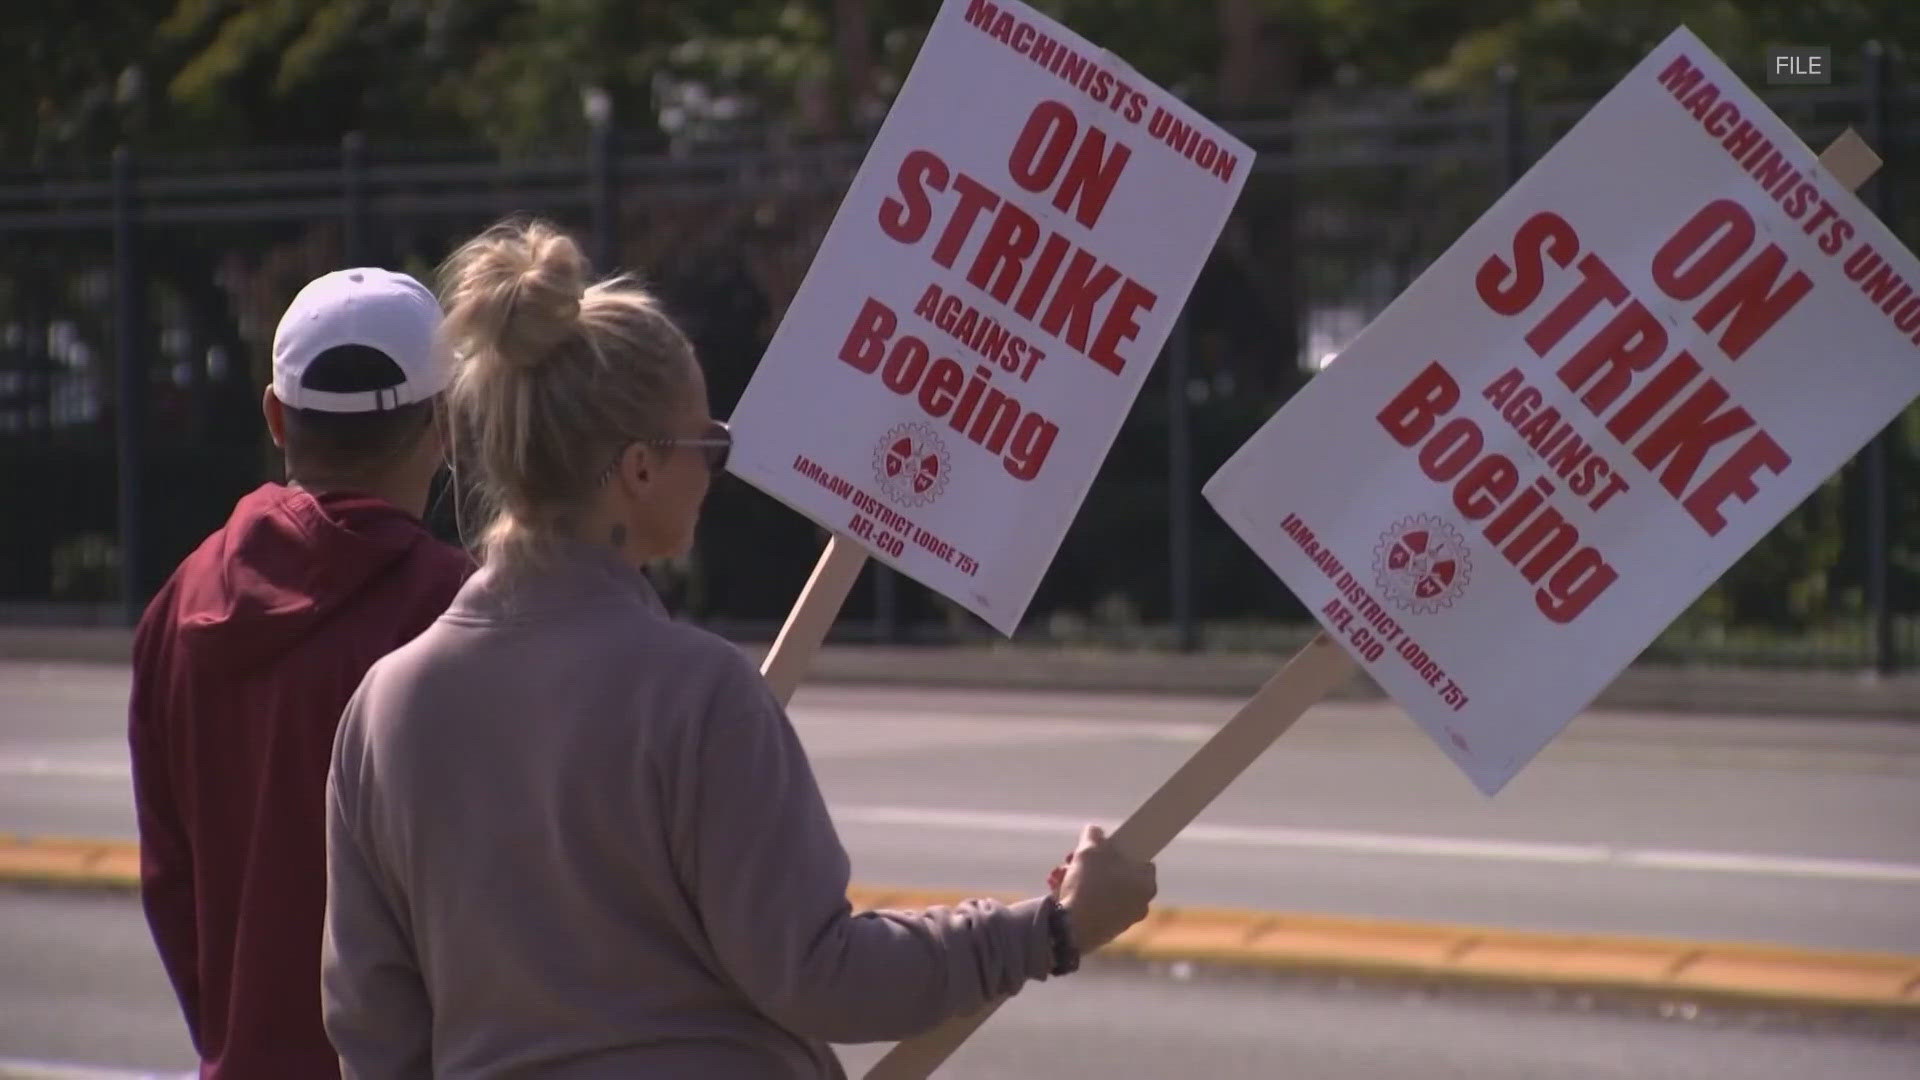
<point x="1180" y="485"/>
<point x="130" y="399"/>
<point x="603" y="198"/>
<point x="1511" y="126"/>
<point x="1880" y="132"/>
<point x="885" y="603"/>
<point x="353" y="198"/>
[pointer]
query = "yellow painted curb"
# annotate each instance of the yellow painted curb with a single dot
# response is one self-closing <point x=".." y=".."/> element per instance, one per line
<point x="1702" y="970"/>
<point x="1283" y="941"/>
<point x="49" y="860"/>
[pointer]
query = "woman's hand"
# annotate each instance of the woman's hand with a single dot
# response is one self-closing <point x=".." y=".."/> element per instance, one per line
<point x="1103" y="891"/>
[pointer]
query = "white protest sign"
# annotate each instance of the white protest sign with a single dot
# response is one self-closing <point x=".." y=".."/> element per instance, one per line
<point x="986" y="304"/>
<point x="1648" y="352"/>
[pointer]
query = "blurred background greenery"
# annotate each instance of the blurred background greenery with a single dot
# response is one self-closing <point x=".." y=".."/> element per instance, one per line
<point x="705" y="144"/>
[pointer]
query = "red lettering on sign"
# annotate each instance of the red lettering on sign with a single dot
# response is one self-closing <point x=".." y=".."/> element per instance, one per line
<point x="1624" y="374"/>
<point x="1760" y="295"/>
<point x="1511" y="288"/>
<point x="978" y="331"/>
<point x="1080" y="299"/>
<point x="866" y="343"/>
<point x="986" y="415"/>
<point x="1630" y="342"/>
<point x="1537" y="539"/>
<point x="1598" y="284"/>
<point x="1100" y="84"/>
<point x="1044" y="143"/>
<point x="1681" y="441"/>
<point x="1682" y="269"/>
<point x="906" y="218"/>
<point x="1087" y="280"/>
<point x="996" y="269"/>
<point x="974" y="198"/>
<point x="1410" y="415"/>
<point x="1734" y="479"/>
<point x="1753" y="301"/>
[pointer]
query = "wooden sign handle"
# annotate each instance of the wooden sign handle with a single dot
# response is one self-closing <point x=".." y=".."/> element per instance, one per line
<point x="1850" y="160"/>
<point x="1314" y="672"/>
<point x="1317" y="670"/>
<point x="806" y="627"/>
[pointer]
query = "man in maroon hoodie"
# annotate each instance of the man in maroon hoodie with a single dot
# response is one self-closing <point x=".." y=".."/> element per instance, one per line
<point x="244" y="661"/>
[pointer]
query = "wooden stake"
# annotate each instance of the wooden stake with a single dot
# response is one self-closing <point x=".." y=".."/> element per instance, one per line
<point x="1317" y="670"/>
<point x="1850" y="159"/>
<point x="1314" y="672"/>
<point x="806" y="627"/>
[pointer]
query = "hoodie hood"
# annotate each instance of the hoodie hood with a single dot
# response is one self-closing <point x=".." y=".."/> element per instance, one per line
<point x="285" y="562"/>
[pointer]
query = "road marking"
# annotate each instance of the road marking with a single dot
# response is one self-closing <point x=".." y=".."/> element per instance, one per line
<point x="1788" y="865"/>
<point x="63" y="768"/>
<point x="1335" y="840"/>
<point x="23" y="1069"/>
<point x="1372" y="843"/>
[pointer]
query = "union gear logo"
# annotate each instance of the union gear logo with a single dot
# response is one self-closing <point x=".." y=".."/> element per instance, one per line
<point x="1421" y="564"/>
<point x="911" y="464"/>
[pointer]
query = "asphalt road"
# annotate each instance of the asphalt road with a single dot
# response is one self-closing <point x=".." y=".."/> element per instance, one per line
<point x="80" y="984"/>
<point x="1785" y="830"/>
<point x="1793" y="831"/>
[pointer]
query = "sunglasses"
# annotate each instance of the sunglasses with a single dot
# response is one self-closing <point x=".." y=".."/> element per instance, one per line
<point x="714" y="446"/>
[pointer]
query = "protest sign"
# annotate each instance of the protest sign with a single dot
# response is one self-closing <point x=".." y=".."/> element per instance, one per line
<point x="1649" y="351"/>
<point x="1342" y="473"/>
<point x="985" y="307"/>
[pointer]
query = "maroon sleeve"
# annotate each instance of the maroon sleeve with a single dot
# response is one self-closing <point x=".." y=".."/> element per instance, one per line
<point x="166" y="858"/>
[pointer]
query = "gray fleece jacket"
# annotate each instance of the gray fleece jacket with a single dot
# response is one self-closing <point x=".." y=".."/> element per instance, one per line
<point x="569" y="837"/>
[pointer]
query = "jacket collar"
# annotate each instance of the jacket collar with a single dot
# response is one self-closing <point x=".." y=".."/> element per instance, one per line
<point x="568" y="575"/>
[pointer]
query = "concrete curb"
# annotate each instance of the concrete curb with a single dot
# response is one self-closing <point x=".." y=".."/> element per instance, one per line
<point x="1281" y="941"/>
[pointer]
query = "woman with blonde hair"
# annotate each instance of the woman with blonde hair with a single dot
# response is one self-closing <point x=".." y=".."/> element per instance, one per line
<point x="571" y="837"/>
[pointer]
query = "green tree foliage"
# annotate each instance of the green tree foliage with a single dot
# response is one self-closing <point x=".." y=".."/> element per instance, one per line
<point x="71" y="82"/>
<point x="1558" y="44"/>
<point x="220" y="73"/>
<point x="519" y="75"/>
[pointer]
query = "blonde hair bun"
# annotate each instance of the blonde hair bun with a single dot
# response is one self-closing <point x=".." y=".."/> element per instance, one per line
<point x="553" y="378"/>
<point x="516" y="290"/>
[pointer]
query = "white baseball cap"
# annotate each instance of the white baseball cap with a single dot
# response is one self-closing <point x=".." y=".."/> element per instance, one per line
<point x="369" y="307"/>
